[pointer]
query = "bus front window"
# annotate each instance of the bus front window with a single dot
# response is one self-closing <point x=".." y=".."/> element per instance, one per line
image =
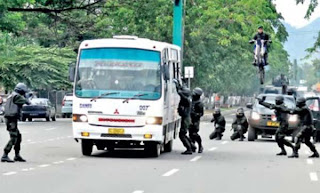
<point x="126" y="71"/>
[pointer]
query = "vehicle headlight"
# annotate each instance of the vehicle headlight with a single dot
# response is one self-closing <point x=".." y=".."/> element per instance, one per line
<point x="79" y="118"/>
<point x="154" y="121"/>
<point x="293" y="118"/>
<point x="255" y="116"/>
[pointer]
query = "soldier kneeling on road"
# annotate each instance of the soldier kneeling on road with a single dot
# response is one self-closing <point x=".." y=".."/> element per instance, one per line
<point x="219" y="124"/>
<point x="11" y="115"/>
<point x="239" y="125"/>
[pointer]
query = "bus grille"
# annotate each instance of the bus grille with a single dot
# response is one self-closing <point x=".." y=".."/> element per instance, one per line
<point x="116" y="135"/>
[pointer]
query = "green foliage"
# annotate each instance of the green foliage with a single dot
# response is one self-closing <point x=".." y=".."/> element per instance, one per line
<point x="40" y="68"/>
<point x="216" y="37"/>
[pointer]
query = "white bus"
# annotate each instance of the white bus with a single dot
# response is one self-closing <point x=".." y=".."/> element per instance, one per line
<point x="125" y="96"/>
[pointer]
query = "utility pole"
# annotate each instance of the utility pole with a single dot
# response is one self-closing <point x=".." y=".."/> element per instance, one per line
<point x="178" y="23"/>
<point x="295" y="71"/>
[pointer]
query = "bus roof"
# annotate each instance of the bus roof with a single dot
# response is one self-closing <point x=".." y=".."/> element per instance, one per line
<point x="127" y="42"/>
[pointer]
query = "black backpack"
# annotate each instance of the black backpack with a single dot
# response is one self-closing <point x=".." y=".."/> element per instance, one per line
<point x="11" y="110"/>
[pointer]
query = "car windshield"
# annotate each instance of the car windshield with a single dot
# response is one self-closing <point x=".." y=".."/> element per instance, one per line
<point x="42" y="102"/>
<point x="289" y="102"/>
<point x="123" y="71"/>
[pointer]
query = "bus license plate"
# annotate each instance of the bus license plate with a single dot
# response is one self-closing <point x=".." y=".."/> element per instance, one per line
<point x="116" y="131"/>
<point x="273" y="124"/>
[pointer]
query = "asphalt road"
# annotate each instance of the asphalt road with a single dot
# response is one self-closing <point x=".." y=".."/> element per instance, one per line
<point x="55" y="165"/>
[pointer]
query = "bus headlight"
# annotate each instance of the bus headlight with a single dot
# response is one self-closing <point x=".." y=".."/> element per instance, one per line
<point x="154" y="121"/>
<point x="293" y="118"/>
<point x="255" y="116"/>
<point x="79" y="118"/>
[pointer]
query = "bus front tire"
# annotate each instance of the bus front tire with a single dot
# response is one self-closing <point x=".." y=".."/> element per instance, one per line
<point x="86" y="147"/>
<point x="153" y="149"/>
<point x="168" y="146"/>
<point x="252" y="134"/>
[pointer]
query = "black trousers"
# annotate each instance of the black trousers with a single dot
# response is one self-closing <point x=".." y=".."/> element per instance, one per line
<point x="217" y="133"/>
<point x="304" y="136"/>
<point x="193" y="132"/>
<point x="15" y="135"/>
<point x="186" y="141"/>
<point x="280" y="137"/>
<point x="238" y="134"/>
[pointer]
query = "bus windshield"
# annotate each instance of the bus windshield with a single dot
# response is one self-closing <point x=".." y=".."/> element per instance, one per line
<point x="124" y="72"/>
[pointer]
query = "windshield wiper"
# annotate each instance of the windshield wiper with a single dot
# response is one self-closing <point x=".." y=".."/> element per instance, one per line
<point x="104" y="94"/>
<point x="134" y="97"/>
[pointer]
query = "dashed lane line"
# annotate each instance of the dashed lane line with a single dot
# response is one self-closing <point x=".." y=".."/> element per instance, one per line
<point x="9" y="173"/>
<point x="58" y="162"/>
<point x="195" y="159"/>
<point x="224" y="142"/>
<point x="50" y="129"/>
<point x="213" y="148"/>
<point x="138" y="191"/>
<point x="27" y="169"/>
<point x="309" y="161"/>
<point x="313" y="176"/>
<point x="170" y="173"/>
<point x="71" y="158"/>
<point x="44" y="165"/>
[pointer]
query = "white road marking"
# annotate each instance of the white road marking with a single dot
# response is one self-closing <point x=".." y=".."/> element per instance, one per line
<point x="313" y="176"/>
<point x="171" y="172"/>
<point x="212" y="148"/>
<point x="224" y="142"/>
<point x="195" y="159"/>
<point x="138" y="191"/>
<point x="9" y="173"/>
<point x="28" y="140"/>
<point x="58" y="162"/>
<point x="71" y="158"/>
<point x="309" y="161"/>
<point x="44" y="165"/>
<point x="27" y="169"/>
<point x="50" y="129"/>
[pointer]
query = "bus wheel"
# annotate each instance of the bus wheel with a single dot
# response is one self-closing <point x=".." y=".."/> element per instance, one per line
<point x="86" y="147"/>
<point x="153" y="149"/>
<point x="168" y="146"/>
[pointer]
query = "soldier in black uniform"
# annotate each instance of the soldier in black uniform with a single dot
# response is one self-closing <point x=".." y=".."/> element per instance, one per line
<point x="219" y="124"/>
<point x="184" y="110"/>
<point x="196" y="114"/>
<point x="239" y="125"/>
<point x="305" y="128"/>
<point x="282" y="113"/>
<point x="12" y="114"/>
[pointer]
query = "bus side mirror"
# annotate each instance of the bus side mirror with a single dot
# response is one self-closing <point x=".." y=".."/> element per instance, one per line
<point x="166" y="73"/>
<point x="72" y="71"/>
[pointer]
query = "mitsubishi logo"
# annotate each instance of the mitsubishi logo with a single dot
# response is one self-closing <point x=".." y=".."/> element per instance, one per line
<point x="116" y="112"/>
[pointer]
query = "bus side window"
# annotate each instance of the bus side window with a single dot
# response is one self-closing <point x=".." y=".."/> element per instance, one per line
<point x="174" y="70"/>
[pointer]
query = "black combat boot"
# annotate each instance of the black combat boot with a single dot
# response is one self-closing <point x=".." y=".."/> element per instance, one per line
<point x="18" y="158"/>
<point x="200" y="149"/>
<point x="187" y="152"/>
<point x="193" y="147"/>
<point x="5" y="158"/>
<point x="295" y="154"/>
<point x="314" y="155"/>
<point x="283" y="152"/>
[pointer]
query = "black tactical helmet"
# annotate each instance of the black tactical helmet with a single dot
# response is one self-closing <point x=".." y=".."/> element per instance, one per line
<point x="301" y="102"/>
<point x="197" y="91"/>
<point x="21" y="88"/>
<point x="260" y="27"/>
<point x="279" y="100"/>
<point x="186" y="91"/>
<point x="216" y="111"/>
<point x="240" y="112"/>
<point x="290" y="91"/>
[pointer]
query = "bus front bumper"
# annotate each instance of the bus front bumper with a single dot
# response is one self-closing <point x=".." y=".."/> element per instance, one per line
<point x="145" y="133"/>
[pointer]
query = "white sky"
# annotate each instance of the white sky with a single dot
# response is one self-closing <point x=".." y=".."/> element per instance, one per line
<point x="294" y="14"/>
